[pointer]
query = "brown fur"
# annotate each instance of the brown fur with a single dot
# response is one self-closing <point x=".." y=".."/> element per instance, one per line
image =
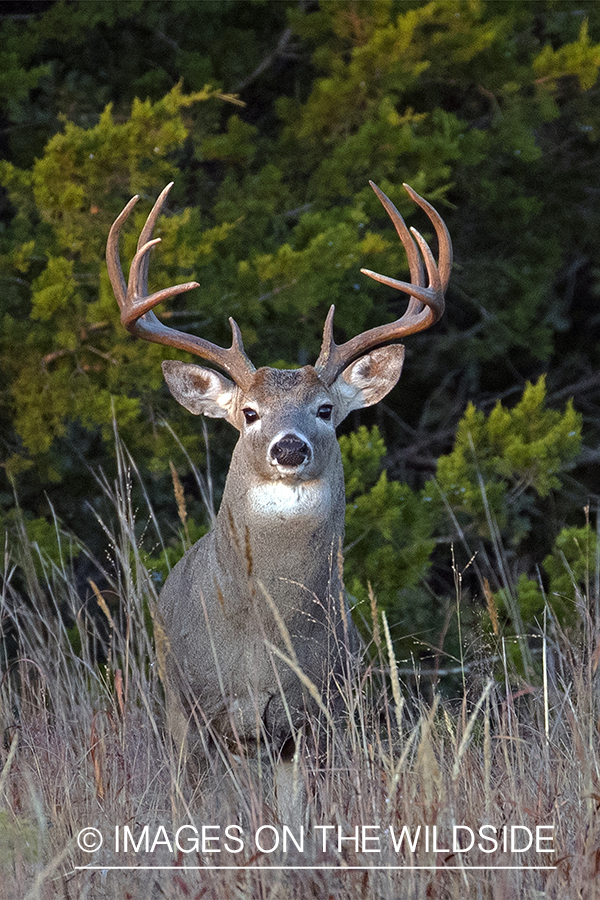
<point x="230" y="600"/>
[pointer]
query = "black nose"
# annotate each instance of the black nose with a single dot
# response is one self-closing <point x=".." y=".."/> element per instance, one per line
<point x="290" y="450"/>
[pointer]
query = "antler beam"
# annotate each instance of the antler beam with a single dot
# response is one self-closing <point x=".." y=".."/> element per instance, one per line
<point x="137" y="305"/>
<point x="426" y="304"/>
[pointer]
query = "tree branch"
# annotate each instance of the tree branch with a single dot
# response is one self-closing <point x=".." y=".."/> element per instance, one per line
<point x="267" y="61"/>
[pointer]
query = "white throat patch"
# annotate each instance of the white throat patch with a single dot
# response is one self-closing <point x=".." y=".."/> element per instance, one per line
<point x="273" y="499"/>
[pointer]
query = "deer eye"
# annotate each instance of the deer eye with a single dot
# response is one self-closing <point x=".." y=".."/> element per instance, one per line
<point x="324" y="411"/>
<point x="250" y="415"/>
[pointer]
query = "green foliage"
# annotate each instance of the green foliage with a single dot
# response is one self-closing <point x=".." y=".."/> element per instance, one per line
<point x="389" y="536"/>
<point x="362" y="453"/>
<point x="500" y="461"/>
<point x="42" y="543"/>
<point x="502" y="465"/>
<point x="579" y="59"/>
<point x="490" y="110"/>
<point x="48" y="542"/>
<point x="567" y="575"/>
<point x="160" y="564"/>
<point x="77" y="355"/>
<point x="571" y="565"/>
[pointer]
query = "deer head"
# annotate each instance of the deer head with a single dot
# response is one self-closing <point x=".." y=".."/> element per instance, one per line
<point x="284" y="416"/>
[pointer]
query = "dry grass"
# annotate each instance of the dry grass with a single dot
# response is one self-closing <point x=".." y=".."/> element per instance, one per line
<point x="83" y="747"/>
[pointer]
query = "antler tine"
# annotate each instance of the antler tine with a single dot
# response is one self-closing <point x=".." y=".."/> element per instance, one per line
<point x="415" y="264"/>
<point x="137" y="305"/>
<point x="426" y="304"/>
<point x="444" y="265"/>
<point x="113" y="263"/>
<point x="148" y="230"/>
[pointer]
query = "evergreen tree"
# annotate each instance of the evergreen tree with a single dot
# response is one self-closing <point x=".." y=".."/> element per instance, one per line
<point x="271" y="118"/>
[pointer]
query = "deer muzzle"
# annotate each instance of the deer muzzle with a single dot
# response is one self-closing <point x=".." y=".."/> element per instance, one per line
<point x="289" y="451"/>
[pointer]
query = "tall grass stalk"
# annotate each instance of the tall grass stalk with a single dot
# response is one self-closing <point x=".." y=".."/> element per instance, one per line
<point x="84" y="745"/>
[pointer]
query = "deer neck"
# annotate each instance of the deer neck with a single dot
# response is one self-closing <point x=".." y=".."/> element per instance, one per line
<point x="283" y="531"/>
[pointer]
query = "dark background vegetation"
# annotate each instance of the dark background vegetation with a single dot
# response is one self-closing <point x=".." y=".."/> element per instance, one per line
<point x="271" y="117"/>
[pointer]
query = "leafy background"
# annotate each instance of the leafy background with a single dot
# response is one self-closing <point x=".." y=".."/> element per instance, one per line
<point x="270" y="117"/>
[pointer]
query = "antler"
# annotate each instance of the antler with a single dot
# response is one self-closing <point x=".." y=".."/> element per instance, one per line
<point x="426" y="303"/>
<point x="136" y="305"/>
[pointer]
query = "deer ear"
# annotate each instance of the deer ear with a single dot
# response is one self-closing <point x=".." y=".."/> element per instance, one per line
<point x="202" y="391"/>
<point x="368" y="379"/>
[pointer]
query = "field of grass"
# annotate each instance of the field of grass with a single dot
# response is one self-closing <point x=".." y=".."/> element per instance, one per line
<point x="83" y="746"/>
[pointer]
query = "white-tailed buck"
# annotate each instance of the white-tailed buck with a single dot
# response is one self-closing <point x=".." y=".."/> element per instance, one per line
<point x="257" y="632"/>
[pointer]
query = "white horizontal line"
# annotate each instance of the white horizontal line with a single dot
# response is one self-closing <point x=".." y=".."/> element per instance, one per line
<point x="313" y="868"/>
